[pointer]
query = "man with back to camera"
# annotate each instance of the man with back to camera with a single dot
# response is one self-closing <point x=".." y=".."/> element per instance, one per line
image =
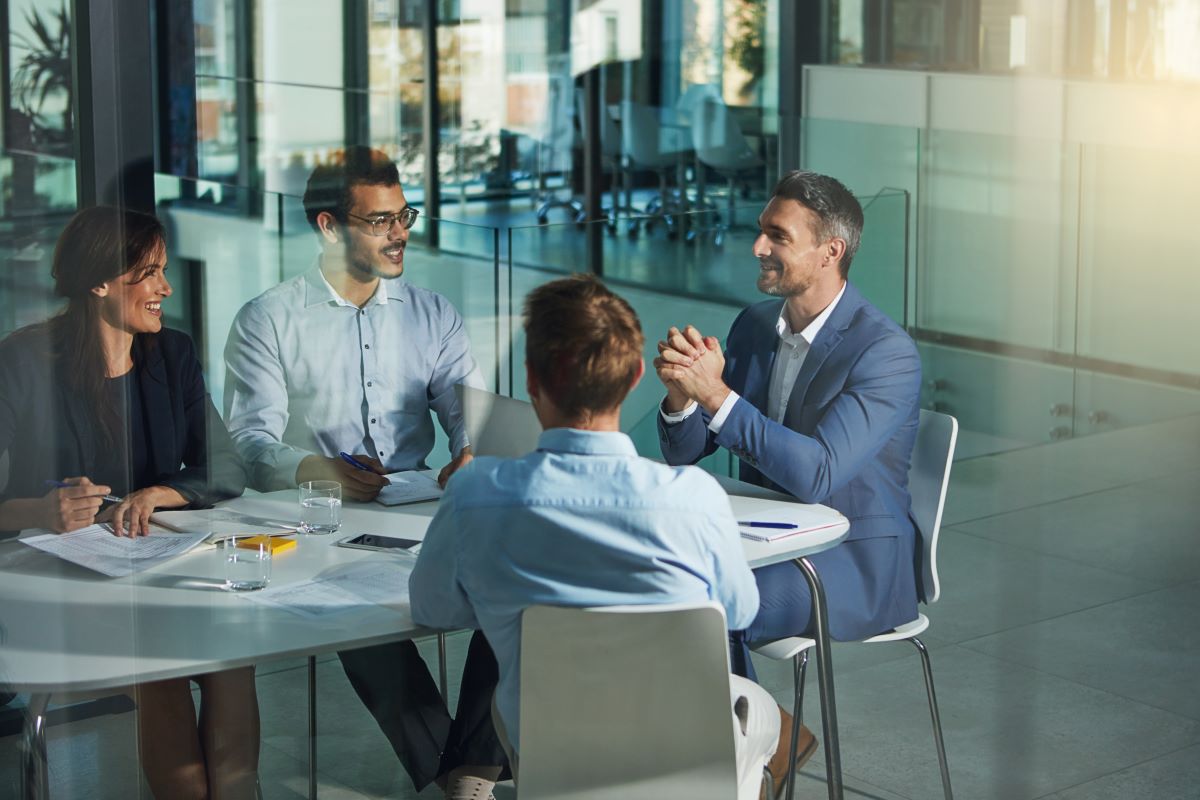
<point x="817" y="393"/>
<point x="584" y="521"/>
<point x="348" y="357"/>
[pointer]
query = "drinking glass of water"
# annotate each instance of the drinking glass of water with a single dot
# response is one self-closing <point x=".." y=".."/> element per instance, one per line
<point x="320" y="506"/>
<point x="247" y="563"/>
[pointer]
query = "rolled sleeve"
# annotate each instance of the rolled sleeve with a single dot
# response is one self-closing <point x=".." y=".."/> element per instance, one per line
<point x="256" y="401"/>
<point x="455" y="365"/>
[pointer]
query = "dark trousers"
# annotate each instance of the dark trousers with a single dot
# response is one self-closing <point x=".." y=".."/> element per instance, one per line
<point x="397" y="688"/>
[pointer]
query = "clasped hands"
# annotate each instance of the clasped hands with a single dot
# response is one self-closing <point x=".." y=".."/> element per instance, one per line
<point x="690" y="366"/>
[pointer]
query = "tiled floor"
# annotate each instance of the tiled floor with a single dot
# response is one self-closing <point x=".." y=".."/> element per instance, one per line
<point x="1065" y="651"/>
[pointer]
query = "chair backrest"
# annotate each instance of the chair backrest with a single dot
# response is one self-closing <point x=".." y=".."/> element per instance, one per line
<point x="497" y="425"/>
<point x="928" y="479"/>
<point x="626" y="701"/>
<point x="644" y="140"/>
<point x="610" y="134"/>
<point x="716" y="135"/>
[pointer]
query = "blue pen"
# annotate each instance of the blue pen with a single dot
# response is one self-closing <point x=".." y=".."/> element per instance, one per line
<point x="354" y="462"/>
<point x="112" y="498"/>
<point x="783" y="526"/>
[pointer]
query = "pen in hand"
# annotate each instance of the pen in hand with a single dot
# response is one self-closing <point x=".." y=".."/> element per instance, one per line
<point x="110" y="498"/>
<point x="354" y="462"/>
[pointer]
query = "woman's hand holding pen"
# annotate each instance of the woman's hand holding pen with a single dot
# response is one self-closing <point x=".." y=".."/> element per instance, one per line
<point x="71" y="506"/>
<point x="131" y="516"/>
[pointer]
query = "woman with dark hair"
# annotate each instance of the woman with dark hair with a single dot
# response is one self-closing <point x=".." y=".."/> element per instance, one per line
<point x="102" y="399"/>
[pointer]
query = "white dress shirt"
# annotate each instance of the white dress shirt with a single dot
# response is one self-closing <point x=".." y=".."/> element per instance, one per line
<point x="789" y="358"/>
<point x="308" y="372"/>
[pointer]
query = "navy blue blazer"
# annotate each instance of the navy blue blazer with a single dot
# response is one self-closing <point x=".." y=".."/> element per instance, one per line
<point x="845" y="441"/>
<point x="47" y="431"/>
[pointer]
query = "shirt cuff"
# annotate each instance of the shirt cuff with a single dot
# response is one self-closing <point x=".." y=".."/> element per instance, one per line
<point x="673" y="418"/>
<point x="286" y="463"/>
<point x="722" y="414"/>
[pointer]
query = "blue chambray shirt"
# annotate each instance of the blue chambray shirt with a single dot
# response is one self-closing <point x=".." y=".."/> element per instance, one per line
<point x="308" y="372"/>
<point x="583" y="521"/>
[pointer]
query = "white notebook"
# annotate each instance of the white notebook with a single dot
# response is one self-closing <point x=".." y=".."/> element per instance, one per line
<point x="408" y="487"/>
<point x="800" y="518"/>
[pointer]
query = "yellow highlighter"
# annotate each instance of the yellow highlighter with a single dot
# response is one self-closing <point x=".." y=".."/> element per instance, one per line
<point x="276" y="544"/>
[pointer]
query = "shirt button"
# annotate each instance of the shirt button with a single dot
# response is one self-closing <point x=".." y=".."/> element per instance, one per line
<point x="367" y="346"/>
<point x="372" y="420"/>
<point x="369" y="383"/>
<point x="795" y="354"/>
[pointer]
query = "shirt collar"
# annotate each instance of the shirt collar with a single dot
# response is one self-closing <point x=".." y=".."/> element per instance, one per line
<point x="318" y="290"/>
<point x="809" y="334"/>
<point x="588" y="443"/>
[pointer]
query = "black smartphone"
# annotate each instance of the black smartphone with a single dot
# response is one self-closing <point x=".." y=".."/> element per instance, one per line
<point x="373" y="541"/>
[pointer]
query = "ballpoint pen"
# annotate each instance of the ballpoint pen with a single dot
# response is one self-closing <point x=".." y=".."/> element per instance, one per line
<point x="779" y="525"/>
<point x="111" y="498"/>
<point x="354" y="462"/>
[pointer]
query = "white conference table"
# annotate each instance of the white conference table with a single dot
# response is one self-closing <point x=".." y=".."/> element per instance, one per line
<point x="65" y="630"/>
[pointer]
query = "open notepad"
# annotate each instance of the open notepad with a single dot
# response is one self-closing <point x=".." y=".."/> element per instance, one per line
<point x="408" y="487"/>
<point x="803" y="519"/>
<point x="96" y="548"/>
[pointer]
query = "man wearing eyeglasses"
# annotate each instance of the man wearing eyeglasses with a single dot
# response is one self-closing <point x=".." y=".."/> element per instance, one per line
<point x="347" y="357"/>
<point x="350" y="358"/>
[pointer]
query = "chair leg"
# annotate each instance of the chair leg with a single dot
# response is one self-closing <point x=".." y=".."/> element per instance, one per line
<point x="799" y="663"/>
<point x="800" y="685"/>
<point x="35" y="772"/>
<point x="935" y="717"/>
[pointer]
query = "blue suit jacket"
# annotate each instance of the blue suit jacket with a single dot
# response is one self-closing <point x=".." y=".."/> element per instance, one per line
<point x="845" y="441"/>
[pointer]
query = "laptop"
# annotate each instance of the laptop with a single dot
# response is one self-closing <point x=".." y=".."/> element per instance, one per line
<point x="498" y="425"/>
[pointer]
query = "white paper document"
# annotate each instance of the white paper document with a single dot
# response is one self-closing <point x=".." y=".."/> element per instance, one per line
<point x="96" y="548"/>
<point x="364" y="583"/>
<point x="408" y="487"/>
<point x="220" y="523"/>
<point x="797" y="517"/>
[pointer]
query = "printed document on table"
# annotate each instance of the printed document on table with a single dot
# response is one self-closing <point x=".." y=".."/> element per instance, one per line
<point x="349" y="587"/>
<point x="96" y="548"/>
<point x="221" y="523"/>
<point x="408" y="487"/>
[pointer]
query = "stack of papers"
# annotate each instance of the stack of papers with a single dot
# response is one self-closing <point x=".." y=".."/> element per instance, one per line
<point x="348" y="588"/>
<point x="221" y="523"/>
<point x="408" y="487"/>
<point x="96" y="548"/>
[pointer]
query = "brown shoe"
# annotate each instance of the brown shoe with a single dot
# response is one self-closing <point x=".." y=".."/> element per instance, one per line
<point x="806" y="745"/>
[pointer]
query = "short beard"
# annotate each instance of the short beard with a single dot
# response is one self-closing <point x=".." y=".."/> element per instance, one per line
<point x="367" y="269"/>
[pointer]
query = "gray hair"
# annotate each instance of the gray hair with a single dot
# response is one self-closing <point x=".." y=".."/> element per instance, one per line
<point x="838" y="212"/>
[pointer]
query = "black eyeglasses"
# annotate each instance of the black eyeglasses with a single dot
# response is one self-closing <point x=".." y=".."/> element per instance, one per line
<point x="381" y="225"/>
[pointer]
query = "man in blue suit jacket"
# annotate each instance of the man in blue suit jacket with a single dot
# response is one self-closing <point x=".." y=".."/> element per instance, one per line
<point x="817" y="394"/>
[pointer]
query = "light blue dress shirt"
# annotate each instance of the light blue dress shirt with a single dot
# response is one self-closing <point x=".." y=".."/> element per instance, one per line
<point x="308" y="372"/>
<point x="583" y="521"/>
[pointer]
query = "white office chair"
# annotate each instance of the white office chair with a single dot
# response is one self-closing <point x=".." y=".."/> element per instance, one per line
<point x="928" y="479"/>
<point x="626" y="701"/>
<point x="553" y="153"/>
<point x="720" y="144"/>
<point x="649" y="145"/>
